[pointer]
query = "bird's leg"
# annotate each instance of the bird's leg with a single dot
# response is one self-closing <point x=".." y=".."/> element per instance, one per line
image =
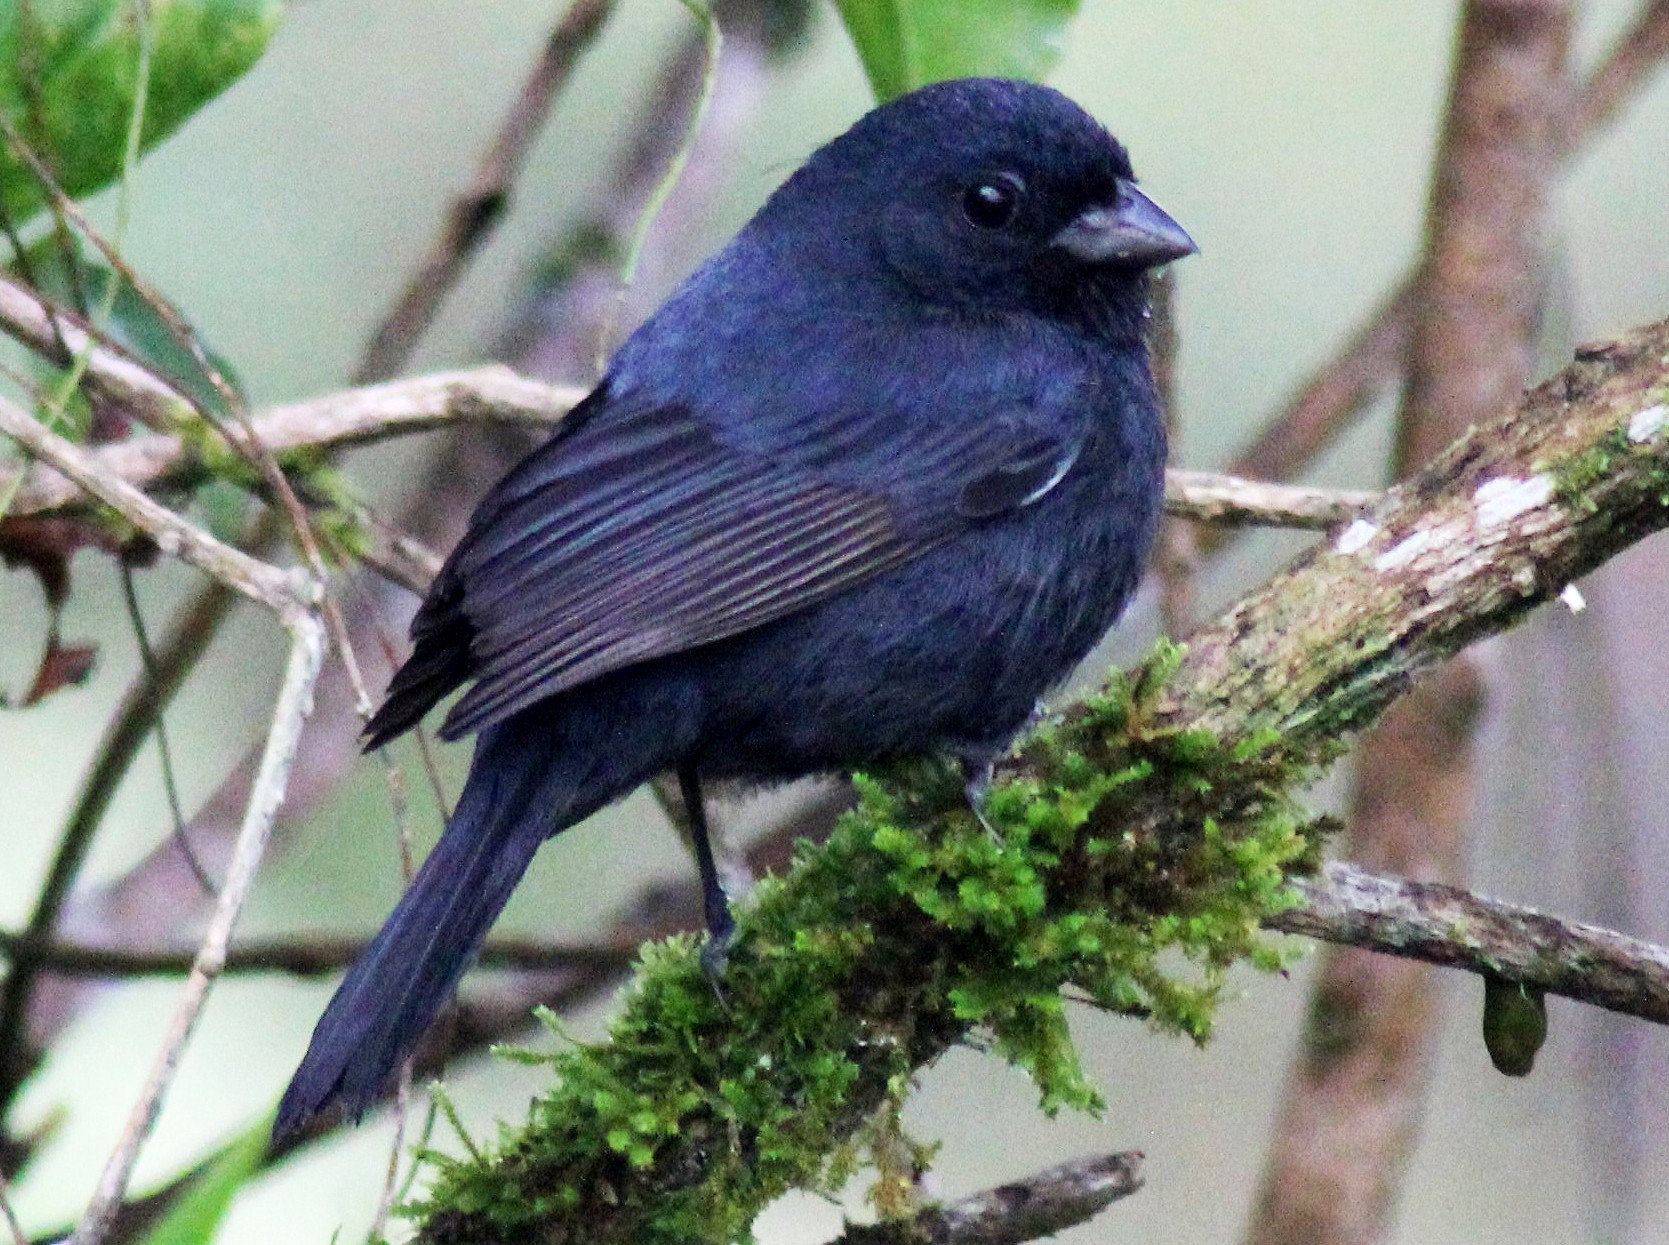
<point x="721" y="927"/>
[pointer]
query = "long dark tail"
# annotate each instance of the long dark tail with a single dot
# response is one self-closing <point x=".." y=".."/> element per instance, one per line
<point x="523" y="787"/>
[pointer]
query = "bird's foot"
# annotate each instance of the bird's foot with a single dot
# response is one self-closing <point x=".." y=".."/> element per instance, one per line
<point x="715" y="952"/>
<point x="977" y="775"/>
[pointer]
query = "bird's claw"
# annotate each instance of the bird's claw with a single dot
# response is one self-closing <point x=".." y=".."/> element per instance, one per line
<point x="978" y="776"/>
<point x="715" y="955"/>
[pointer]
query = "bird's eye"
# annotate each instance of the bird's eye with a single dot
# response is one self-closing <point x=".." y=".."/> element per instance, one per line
<point x="990" y="204"/>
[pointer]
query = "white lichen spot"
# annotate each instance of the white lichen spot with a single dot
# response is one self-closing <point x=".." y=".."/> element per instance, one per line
<point x="1574" y="601"/>
<point x="1503" y="499"/>
<point x="1356" y="536"/>
<point x="168" y="541"/>
<point x="1648" y="423"/>
<point x="1403" y="552"/>
<point x="1525" y="578"/>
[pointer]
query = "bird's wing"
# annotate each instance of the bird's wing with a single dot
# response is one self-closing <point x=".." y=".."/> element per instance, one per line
<point x="643" y="535"/>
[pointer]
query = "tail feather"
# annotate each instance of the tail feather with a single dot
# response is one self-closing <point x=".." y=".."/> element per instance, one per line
<point x="533" y="776"/>
<point x="518" y="794"/>
<point x="401" y="981"/>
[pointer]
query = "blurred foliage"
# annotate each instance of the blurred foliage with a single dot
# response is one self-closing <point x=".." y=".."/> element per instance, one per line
<point x="908" y="43"/>
<point x="70" y="69"/>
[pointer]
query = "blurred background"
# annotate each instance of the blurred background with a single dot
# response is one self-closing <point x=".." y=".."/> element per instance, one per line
<point x="1294" y="139"/>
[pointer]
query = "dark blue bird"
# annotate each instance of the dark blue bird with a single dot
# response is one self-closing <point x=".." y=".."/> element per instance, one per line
<point x="872" y="480"/>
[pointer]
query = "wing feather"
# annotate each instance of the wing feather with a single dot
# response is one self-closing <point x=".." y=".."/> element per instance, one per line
<point x="640" y="533"/>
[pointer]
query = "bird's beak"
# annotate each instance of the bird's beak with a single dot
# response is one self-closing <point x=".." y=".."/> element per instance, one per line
<point x="1131" y="232"/>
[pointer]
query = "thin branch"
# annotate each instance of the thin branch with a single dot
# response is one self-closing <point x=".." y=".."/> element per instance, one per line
<point x="59" y="336"/>
<point x="1209" y="497"/>
<point x="289" y="596"/>
<point x="1455" y="928"/>
<point x="1176" y="554"/>
<point x="474" y="213"/>
<point x="307" y="651"/>
<point x="9" y="1215"/>
<point x="277" y="590"/>
<point x="661" y="190"/>
<point x="237" y="430"/>
<point x="1026" y="1210"/>
<point x="153" y="673"/>
<point x="1632" y="62"/>
<point x="339" y="421"/>
<point x="497" y="395"/>
<point x="123" y="737"/>
<point x="299" y="957"/>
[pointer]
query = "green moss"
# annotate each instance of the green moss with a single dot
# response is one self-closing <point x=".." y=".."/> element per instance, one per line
<point x="912" y="928"/>
<point x="1575" y="477"/>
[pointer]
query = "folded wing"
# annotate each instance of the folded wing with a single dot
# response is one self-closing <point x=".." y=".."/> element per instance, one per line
<point x="640" y="534"/>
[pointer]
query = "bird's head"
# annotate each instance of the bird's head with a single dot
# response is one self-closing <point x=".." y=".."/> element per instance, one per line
<point x="985" y="194"/>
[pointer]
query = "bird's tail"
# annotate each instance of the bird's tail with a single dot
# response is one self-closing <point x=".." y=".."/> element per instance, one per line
<point x="519" y="793"/>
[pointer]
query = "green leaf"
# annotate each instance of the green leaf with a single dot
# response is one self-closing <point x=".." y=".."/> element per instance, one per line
<point x="197" y="1214"/>
<point x="908" y="43"/>
<point x="68" y="71"/>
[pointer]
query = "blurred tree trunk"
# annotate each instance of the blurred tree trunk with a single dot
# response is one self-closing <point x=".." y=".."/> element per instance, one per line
<point x="1356" y="1097"/>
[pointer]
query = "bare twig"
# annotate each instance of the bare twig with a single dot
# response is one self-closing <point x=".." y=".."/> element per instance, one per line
<point x="1208" y="497"/>
<point x="58" y="336"/>
<point x="152" y="673"/>
<point x="1026" y="1210"/>
<point x="279" y="591"/>
<point x="185" y="643"/>
<point x="307" y="651"/>
<point x="289" y="596"/>
<point x="495" y="394"/>
<point x="1636" y="56"/>
<point x="353" y="417"/>
<point x="1176" y="558"/>
<point x="300" y="957"/>
<point x="661" y="190"/>
<point x="1456" y="928"/>
<point x="478" y="209"/>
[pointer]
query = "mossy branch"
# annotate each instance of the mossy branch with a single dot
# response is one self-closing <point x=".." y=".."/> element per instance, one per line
<point x="1151" y="827"/>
